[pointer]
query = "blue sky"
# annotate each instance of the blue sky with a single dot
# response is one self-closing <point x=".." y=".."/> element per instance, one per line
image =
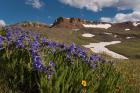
<point x="47" y="11"/>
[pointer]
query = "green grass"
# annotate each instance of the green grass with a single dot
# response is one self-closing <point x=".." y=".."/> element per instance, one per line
<point x="130" y="68"/>
<point x="130" y="48"/>
<point x="17" y="75"/>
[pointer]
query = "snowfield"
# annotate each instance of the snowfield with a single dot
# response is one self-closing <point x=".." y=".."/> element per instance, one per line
<point x="108" y="33"/>
<point x="100" y="48"/>
<point x="136" y="23"/>
<point x="105" y="26"/>
<point x="115" y="36"/>
<point x="129" y="37"/>
<point x="88" y="35"/>
<point x="127" y="29"/>
<point x="75" y="29"/>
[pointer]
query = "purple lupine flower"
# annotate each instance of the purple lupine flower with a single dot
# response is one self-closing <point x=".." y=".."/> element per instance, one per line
<point x="51" y="64"/>
<point x="35" y="37"/>
<point x="45" y="70"/>
<point x="51" y="44"/>
<point x="19" y="43"/>
<point x="83" y="55"/>
<point x="1" y="39"/>
<point x="93" y="66"/>
<point x="35" y="44"/>
<point x="33" y="52"/>
<point x="94" y="58"/>
<point x="44" y="40"/>
<point x="53" y="50"/>
<point x="62" y="46"/>
<point x="49" y="76"/>
<point x="37" y="63"/>
<point x="72" y="47"/>
<point x="87" y="61"/>
<point x="8" y="36"/>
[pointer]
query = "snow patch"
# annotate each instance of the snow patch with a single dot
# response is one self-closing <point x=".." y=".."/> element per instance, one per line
<point x="105" y="26"/>
<point x="100" y="48"/>
<point x="108" y="33"/>
<point x="67" y="18"/>
<point x="88" y="35"/>
<point x="129" y="37"/>
<point x="136" y="23"/>
<point x="127" y="29"/>
<point x="115" y="36"/>
<point x="75" y="29"/>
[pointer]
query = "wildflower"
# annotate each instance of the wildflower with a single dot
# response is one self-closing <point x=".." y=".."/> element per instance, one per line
<point x="35" y="44"/>
<point x="72" y="48"/>
<point x="37" y="64"/>
<point x="1" y="39"/>
<point x="94" y="58"/>
<point x="84" y="83"/>
<point x="62" y="46"/>
<point x="53" y="51"/>
<point x="19" y="43"/>
<point x="93" y="66"/>
<point x="51" y="44"/>
<point x="36" y="36"/>
<point x="49" y="76"/>
<point x="51" y="64"/>
<point x="9" y="36"/>
<point x="44" y="40"/>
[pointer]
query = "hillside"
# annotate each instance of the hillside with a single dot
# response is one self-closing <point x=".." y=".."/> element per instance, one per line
<point x="118" y="42"/>
<point x="69" y="30"/>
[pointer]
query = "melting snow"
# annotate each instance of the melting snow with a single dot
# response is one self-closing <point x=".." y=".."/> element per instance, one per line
<point x="75" y="29"/>
<point x="108" y="33"/>
<point x="127" y="29"/>
<point x="67" y="18"/>
<point x="115" y="36"/>
<point x="100" y="48"/>
<point x="105" y="26"/>
<point x="129" y="37"/>
<point x="136" y="23"/>
<point x="88" y="35"/>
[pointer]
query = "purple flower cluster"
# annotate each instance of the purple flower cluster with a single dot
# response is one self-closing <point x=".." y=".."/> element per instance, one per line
<point x="33" y="43"/>
<point x="1" y="42"/>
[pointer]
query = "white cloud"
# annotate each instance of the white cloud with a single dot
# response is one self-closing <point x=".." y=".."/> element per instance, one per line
<point x="128" y="4"/>
<point x="35" y="3"/>
<point x="106" y="19"/>
<point x="120" y="17"/>
<point x="2" y="23"/>
<point x="93" y="5"/>
<point x="97" y="5"/>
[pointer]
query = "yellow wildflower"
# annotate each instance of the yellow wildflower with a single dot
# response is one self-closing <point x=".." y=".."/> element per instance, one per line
<point x="84" y="83"/>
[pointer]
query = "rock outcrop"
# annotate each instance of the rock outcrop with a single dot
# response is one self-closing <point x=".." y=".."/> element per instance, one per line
<point x="72" y="23"/>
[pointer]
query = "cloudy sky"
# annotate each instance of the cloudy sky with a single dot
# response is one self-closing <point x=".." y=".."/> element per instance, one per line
<point x="47" y="11"/>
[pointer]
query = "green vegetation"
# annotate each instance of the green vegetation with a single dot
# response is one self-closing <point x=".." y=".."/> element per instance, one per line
<point x="130" y="48"/>
<point x="32" y="64"/>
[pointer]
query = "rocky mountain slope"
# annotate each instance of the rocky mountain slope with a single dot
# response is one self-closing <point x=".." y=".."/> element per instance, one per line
<point x="77" y="23"/>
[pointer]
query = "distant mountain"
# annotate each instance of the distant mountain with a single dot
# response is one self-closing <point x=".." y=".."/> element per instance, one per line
<point x="31" y="24"/>
<point x="77" y="23"/>
<point x="72" y="23"/>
